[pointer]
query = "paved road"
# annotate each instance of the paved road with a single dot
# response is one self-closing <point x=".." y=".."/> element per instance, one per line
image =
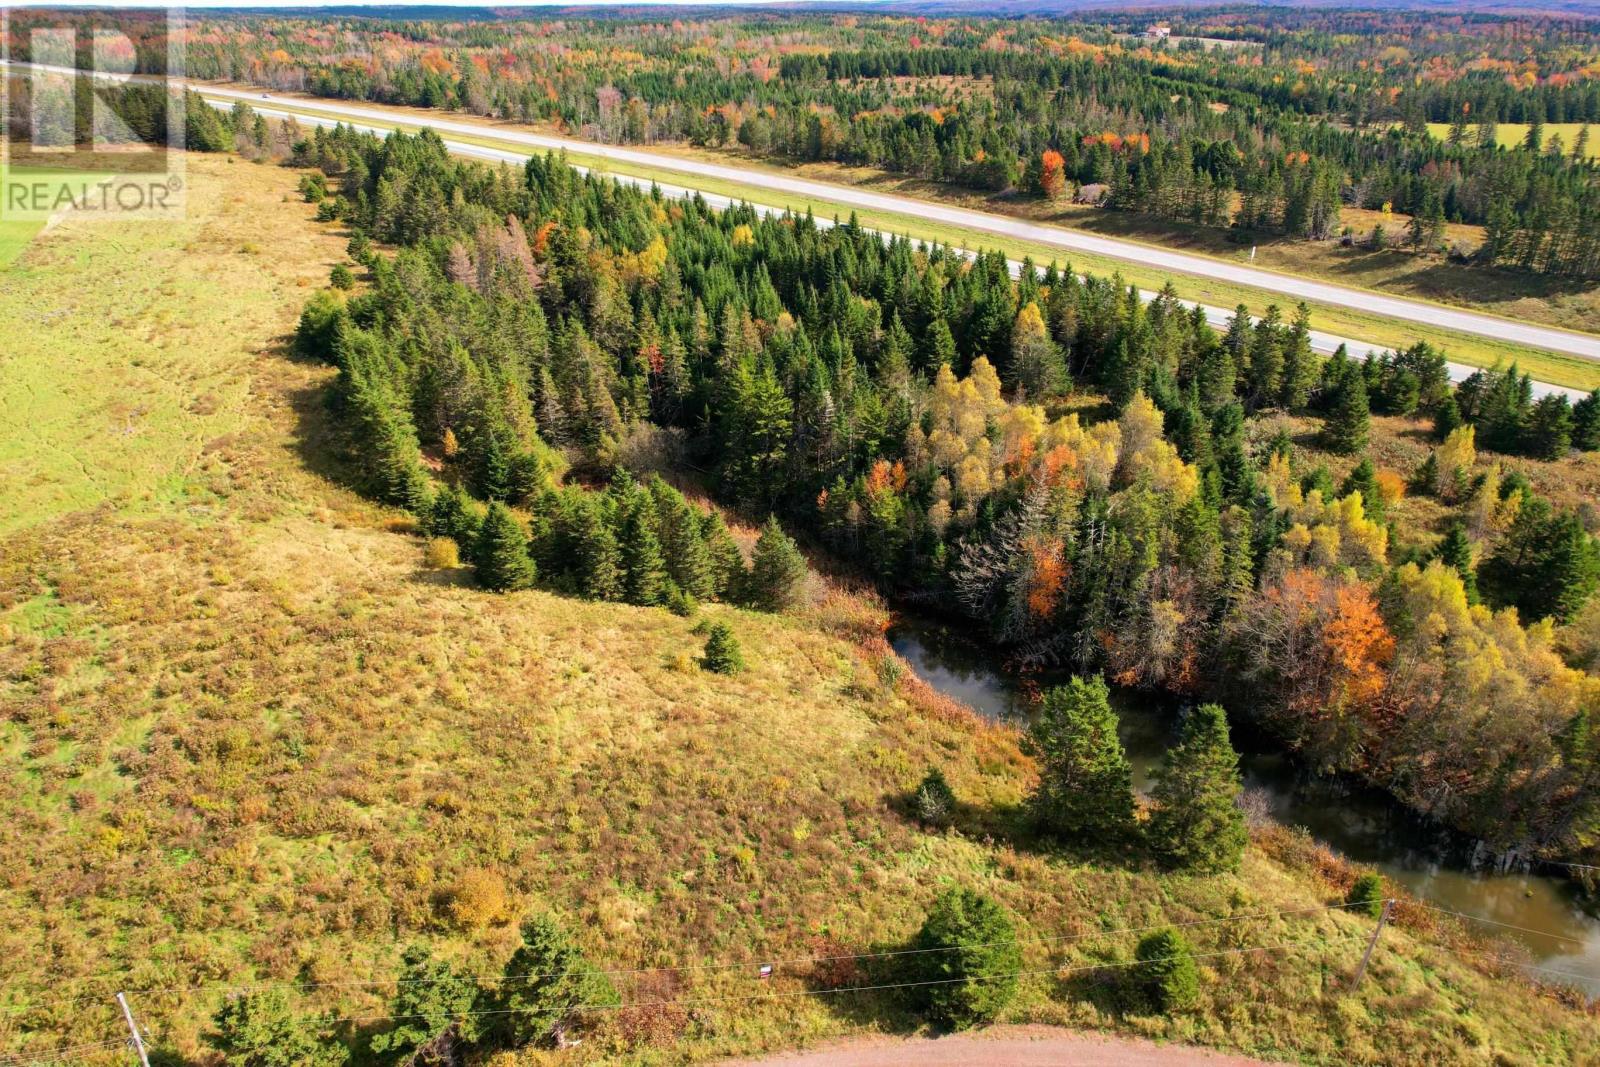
<point x="1551" y="338"/>
<point x="378" y="120"/>
<point x="1005" y="1046"/>
<point x="356" y="118"/>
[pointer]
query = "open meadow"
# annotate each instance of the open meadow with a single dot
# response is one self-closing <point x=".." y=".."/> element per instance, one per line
<point x="247" y="736"/>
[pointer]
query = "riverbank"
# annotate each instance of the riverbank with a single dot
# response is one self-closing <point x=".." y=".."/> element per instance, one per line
<point x="1436" y="864"/>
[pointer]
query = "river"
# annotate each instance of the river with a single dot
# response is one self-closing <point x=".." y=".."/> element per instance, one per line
<point x="1436" y="864"/>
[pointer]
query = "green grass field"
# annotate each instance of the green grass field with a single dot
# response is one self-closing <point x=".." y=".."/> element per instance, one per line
<point x="1471" y="349"/>
<point x="16" y="233"/>
<point x="1512" y="134"/>
<point x="248" y="737"/>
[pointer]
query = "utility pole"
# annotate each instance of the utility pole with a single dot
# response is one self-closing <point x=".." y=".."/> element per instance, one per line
<point x="1383" y="920"/>
<point x="138" y="1042"/>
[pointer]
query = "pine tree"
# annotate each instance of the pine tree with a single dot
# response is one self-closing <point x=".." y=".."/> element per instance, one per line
<point x="1366" y="895"/>
<point x="1197" y="823"/>
<point x="683" y="547"/>
<point x="598" y="562"/>
<point x="962" y="965"/>
<point x="1085" y="790"/>
<point x="722" y="655"/>
<point x="934" y="800"/>
<point x="501" y="552"/>
<point x="1299" y="362"/>
<point x="777" y="571"/>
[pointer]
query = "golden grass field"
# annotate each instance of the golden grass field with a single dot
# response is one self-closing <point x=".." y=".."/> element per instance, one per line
<point x="245" y="736"/>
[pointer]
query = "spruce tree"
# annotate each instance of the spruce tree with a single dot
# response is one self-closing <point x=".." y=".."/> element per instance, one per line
<point x="547" y="979"/>
<point x="777" y="571"/>
<point x="1167" y="971"/>
<point x="433" y="1012"/>
<point x="962" y="965"/>
<point x="683" y="547"/>
<point x="1366" y="895"/>
<point x="644" y="571"/>
<point x="1197" y="824"/>
<point x="934" y="800"/>
<point x="262" y="1029"/>
<point x="1346" y="428"/>
<point x="501" y="552"/>
<point x="1586" y="423"/>
<point x="727" y="561"/>
<point x="722" y="655"/>
<point x="1549" y="430"/>
<point x="1363" y="479"/>
<point x="598" y="563"/>
<point x="1456" y="551"/>
<point x="1085" y="790"/>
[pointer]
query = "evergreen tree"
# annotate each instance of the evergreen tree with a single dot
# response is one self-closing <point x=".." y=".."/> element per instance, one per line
<point x="1085" y="790"/>
<point x="1299" y="362"/>
<point x="722" y="655"/>
<point x="1366" y="895"/>
<point x="644" y="570"/>
<point x="727" y="562"/>
<point x="934" y="800"/>
<point x="1363" y="479"/>
<point x="777" y="571"/>
<point x="547" y="979"/>
<point x="1197" y="823"/>
<point x="598" y="560"/>
<point x="262" y="1029"/>
<point x="1455" y="550"/>
<point x="1346" y="428"/>
<point x="963" y="963"/>
<point x="501" y="552"/>
<point x="1167" y="971"/>
<point x="433" y="1013"/>
<point x="1549" y="432"/>
<point x="1546" y="565"/>
<point x="455" y="515"/>
<point x="1586" y="423"/>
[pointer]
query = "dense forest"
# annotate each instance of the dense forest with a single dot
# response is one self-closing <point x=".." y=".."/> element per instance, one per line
<point x="929" y="419"/>
<point x="1262" y="123"/>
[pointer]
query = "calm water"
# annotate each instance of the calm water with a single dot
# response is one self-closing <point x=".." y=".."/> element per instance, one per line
<point x="1436" y="864"/>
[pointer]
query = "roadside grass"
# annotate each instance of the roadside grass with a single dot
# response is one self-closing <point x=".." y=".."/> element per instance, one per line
<point x="247" y="736"/>
<point x="1394" y="272"/>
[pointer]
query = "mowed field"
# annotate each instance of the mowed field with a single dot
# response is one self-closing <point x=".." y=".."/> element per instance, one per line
<point x="1512" y="134"/>
<point x="246" y="737"/>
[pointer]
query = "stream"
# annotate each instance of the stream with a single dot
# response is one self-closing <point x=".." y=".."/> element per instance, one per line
<point x="1438" y="865"/>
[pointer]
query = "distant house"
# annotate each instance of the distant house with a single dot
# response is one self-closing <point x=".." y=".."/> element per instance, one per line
<point x="1158" y="31"/>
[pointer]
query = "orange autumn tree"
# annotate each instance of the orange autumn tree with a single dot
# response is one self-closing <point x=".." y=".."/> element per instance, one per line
<point x="1052" y="174"/>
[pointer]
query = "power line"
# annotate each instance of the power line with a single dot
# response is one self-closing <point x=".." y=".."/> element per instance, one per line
<point x="1506" y="926"/>
<point x="733" y="965"/>
<point x="884" y="985"/>
<point x="61" y="1054"/>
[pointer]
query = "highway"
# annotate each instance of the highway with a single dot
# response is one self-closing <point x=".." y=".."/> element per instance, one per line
<point x="361" y="119"/>
<point x="1586" y="346"/>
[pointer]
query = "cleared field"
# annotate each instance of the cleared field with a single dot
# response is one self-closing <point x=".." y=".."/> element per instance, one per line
<point x="16" y="233"/>
<point x="1512" y="134"/>
<point x="1471" y="349"/>
<point x="247" y="737"/>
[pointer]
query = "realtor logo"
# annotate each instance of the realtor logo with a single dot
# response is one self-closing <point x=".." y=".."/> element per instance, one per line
<point x="94" y="120"/>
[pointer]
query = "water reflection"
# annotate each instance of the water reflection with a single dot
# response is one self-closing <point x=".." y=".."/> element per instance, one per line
<point x="1434" y="863"/>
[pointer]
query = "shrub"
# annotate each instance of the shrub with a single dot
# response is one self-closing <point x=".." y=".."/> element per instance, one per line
<point x="341" y="277"/>
<point x="935" y="801"/>
<point x="1366" y="895"/>
<point x="967" y="958"/>
<point x="479" y="899"/>
<point x="722" y="650"/>
<point x="1167" y="972"/>
<point x="443" y="554"/>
